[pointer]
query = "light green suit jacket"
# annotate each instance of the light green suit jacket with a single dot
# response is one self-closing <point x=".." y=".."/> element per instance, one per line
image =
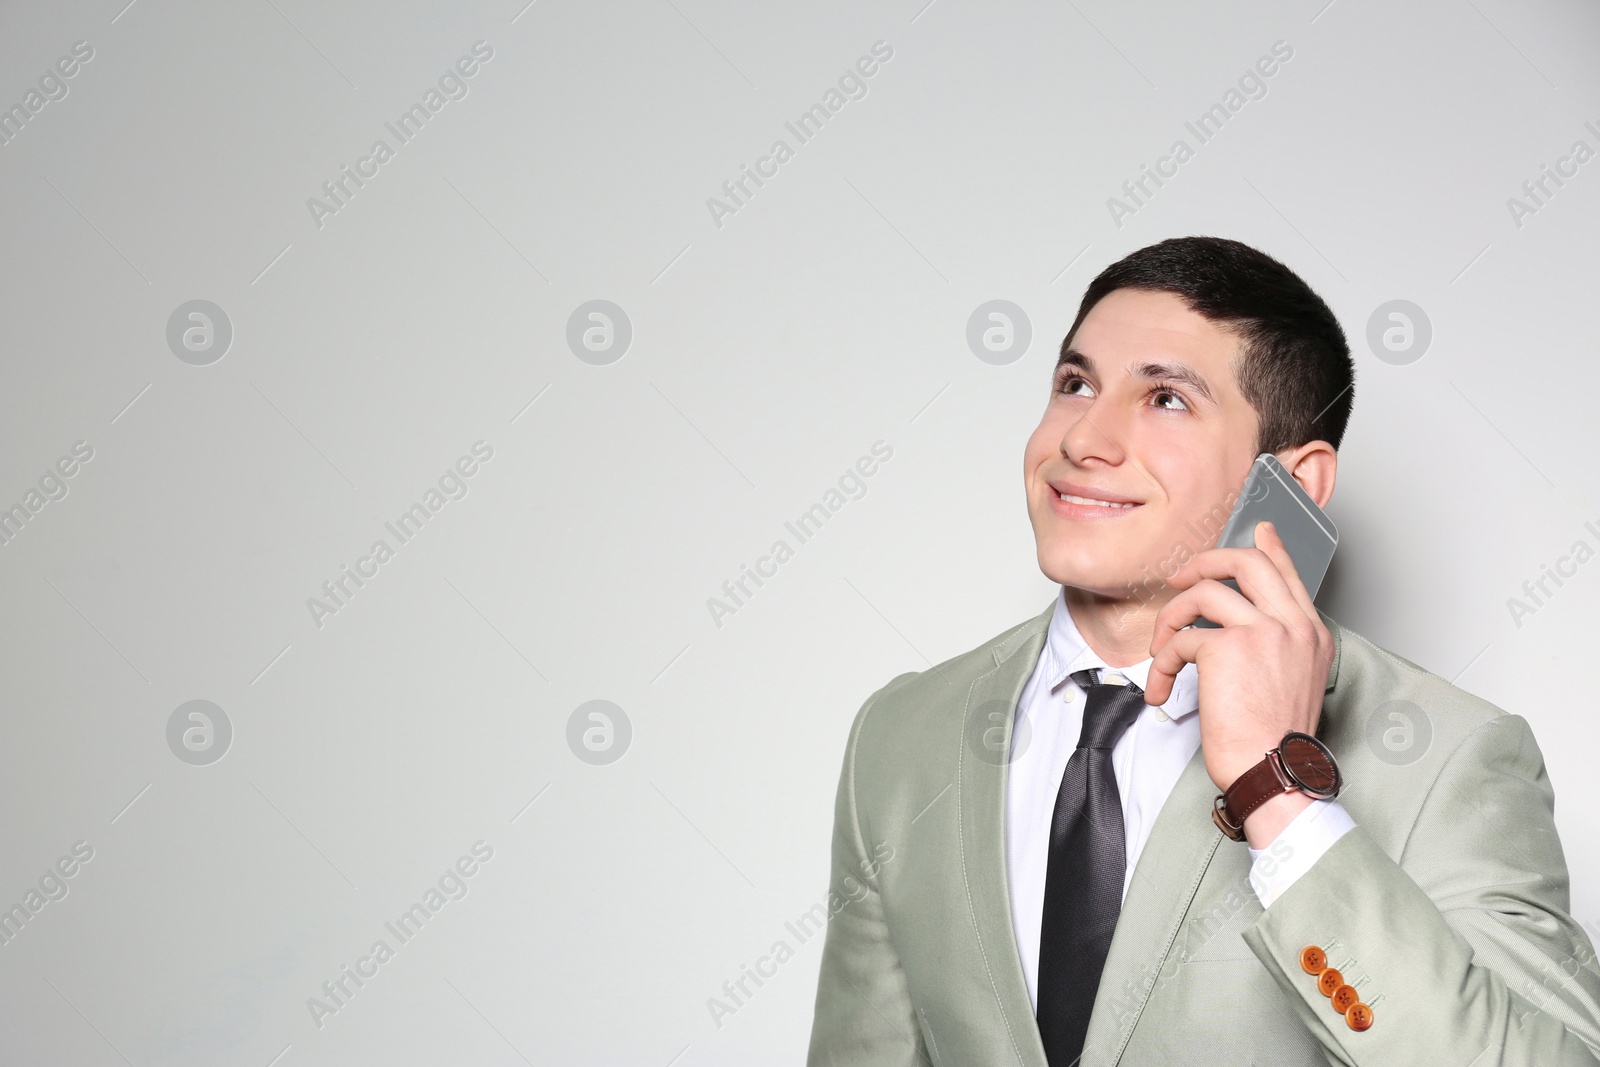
<point x="1446" y="906"/>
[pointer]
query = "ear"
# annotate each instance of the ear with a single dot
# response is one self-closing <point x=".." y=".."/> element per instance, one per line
<point x="1315" y="465"/>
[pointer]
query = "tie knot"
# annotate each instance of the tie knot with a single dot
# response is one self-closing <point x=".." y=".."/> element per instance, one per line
<point x="1108" y="710"/>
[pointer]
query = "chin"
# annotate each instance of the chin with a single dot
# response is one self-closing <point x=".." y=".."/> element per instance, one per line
<point x="1089" y="574"/>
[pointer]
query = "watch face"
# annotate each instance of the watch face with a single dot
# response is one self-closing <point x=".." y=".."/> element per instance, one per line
<point x="1311" y="765"/>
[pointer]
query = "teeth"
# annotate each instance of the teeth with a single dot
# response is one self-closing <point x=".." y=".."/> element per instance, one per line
<point x="1090" y="500"/>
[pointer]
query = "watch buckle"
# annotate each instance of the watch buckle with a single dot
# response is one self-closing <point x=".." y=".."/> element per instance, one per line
<point x="1220" y="817"/>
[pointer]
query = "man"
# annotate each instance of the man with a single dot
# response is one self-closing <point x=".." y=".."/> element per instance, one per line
<point x="1029" y="866"/>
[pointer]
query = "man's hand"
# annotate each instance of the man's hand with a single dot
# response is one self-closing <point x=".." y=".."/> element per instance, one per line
<point x="1262" y="673"/>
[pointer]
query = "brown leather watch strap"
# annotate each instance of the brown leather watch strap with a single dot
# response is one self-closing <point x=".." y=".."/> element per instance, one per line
<point x="1249" y="791"/>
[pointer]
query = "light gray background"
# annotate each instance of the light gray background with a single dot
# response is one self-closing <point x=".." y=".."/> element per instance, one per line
<point x="768" y="355"/>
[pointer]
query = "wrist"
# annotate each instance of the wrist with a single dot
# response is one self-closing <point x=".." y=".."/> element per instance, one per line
<point x="1262" y="826"/>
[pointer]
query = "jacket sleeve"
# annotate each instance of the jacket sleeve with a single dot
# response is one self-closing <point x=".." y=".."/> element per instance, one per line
<point x="863" y="1016"/>
<point x="1464" y="948"/>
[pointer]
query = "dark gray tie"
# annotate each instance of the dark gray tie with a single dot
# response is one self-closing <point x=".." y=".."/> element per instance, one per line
<point x="1087" y="866"/>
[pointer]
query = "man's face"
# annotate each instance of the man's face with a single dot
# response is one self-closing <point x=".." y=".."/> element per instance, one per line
<point x="1144" y="412"/>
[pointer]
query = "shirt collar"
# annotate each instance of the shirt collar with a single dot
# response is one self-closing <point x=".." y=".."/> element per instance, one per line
<point x="1065" y="651"/>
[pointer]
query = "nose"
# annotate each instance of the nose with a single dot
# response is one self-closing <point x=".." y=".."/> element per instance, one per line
<point x="1095" y="434"/>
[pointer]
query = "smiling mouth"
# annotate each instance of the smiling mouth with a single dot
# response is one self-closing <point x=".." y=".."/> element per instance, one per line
<point x="1070" y="499"/>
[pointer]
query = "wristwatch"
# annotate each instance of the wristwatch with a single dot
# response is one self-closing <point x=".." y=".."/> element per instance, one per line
<point x="1299" y="762"/>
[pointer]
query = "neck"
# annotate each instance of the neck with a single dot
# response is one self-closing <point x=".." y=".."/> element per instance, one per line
<point x="1118" y="629"/>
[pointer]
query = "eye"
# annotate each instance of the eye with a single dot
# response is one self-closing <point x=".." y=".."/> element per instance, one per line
<point x="1161" y="391"/>
<point x="1068" y="385"/>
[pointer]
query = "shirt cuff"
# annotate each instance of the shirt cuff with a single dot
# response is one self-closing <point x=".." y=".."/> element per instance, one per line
<point x="1300" y="844"/>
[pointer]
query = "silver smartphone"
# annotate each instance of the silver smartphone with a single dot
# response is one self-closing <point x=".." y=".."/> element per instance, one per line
<point x="1270" y="493"/>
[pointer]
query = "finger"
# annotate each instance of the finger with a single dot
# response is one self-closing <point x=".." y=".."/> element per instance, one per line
<point x="1184" y="647"/>
<point x="1157" y="687"/>
<point x="1209" y="598"/>
<point x="1213" y="563"/>
<point x="1270" y="541"/>
<point x="1159" y="680"/>
<point x="1259" y="578"/>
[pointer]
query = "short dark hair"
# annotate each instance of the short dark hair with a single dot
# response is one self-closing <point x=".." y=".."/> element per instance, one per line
<point x="1294" y="367"/>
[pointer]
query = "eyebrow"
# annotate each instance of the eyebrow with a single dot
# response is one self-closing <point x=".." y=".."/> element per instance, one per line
<point x="1180" y="373"/>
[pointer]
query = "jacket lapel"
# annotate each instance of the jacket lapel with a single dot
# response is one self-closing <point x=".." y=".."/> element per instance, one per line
<point x="980" y="801"/>
<point x="1174" y="860"/>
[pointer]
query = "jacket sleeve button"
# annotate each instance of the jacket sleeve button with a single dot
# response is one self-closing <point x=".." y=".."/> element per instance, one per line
<point x="1329" y="980"/>
<point x="1343" y="998"/>
<point x="1359" y="1017"/>
<point x="1313" y="960"/>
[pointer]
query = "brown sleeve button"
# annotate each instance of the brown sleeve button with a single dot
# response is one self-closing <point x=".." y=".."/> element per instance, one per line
<point x="1329" y="980"/>
<point x="1359" y="1017"/>
<point x="1313" y="960"/>
<point x="1344" y="997"/>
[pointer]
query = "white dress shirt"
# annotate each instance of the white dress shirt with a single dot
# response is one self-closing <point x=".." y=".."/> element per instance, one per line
<point x="1147" y="760"/>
